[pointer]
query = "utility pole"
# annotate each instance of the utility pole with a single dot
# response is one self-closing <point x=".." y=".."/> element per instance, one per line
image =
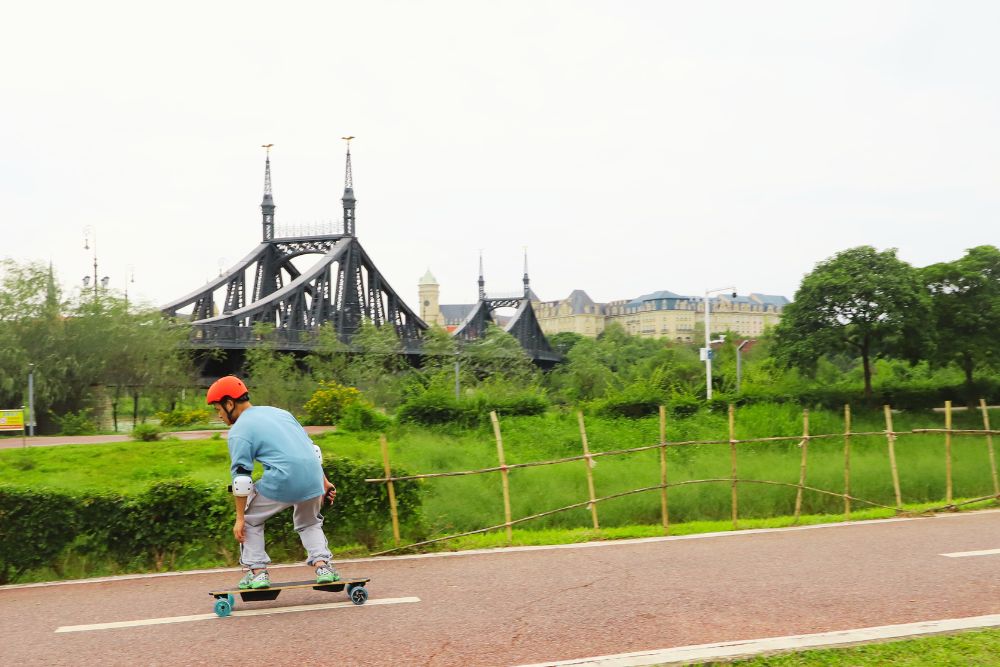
<point x="31" y="400"/>
<point x="706" y="352"/>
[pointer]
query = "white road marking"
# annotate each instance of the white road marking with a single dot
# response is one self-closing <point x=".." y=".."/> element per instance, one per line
<point x="240" y="612"/>
<point x="963" y="554"/>
<point x="753" y="647"/>
<point x="505" y="550"/>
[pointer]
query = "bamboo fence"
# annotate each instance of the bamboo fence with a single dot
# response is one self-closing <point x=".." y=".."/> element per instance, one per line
<point x="588" y="458"/>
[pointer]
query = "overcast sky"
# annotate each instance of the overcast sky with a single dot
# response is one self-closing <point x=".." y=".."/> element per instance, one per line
<point x="631" y="146"/>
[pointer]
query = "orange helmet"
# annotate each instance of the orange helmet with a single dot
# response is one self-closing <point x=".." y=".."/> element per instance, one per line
<point x="227" y="387"/>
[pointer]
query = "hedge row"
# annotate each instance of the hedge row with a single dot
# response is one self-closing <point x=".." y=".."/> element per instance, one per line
<point x="641" y="401"/>
<point x="904" y="397"/>
<point x="170" y="518"/>
<point x="433" y="407"/>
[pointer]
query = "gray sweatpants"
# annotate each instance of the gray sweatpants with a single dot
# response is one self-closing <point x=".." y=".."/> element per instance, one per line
<point x="306" y="518"/>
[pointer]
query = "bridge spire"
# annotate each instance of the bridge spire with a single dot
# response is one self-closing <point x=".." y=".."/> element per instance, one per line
<point x="267" y="204"/>
<point x="482" y="282"/>
<point x="348" y="198"/>
<point x="527" y="284"/>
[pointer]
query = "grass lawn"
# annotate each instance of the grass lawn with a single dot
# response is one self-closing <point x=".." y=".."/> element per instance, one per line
<point x="459" y="504"/>
<point x="980" y="648"/>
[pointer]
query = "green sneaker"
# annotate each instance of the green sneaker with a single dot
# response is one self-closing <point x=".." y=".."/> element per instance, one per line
<point x="260" y="580"/>
<point x="245" y="581"/>
<point x="326" y="574"/>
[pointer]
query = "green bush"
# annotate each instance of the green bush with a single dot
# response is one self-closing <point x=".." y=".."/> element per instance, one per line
<point x="181" y="418"/>
<point x="361" y="511"/>
<point x="76" y="423"/>
<point x="439" y="406"/>
<point x="434" y="406"/>
<point x="327" y="404"/>
<point x="152" y="528"/>
<point x="35" y="526"/>
<point x="363" y="417"/>
<point x="683" y="406"/>
<point x="907" y="396"/>
<point x="146" y="432"/>
<point x="637" y="400"/>
<point x="523" y="403"/>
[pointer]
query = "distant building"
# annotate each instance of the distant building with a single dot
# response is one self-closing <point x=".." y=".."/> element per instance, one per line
<point x="659" y="314"/>
<point x="577" y="313"/>
<point x="448" y="316"/>
<point x="665" y="314"/>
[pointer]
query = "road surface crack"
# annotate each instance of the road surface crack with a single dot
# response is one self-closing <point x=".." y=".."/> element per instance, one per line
<point x="435" y="654"/>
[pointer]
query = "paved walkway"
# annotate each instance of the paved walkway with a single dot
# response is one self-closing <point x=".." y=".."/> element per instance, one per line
<point x="531" y="605"/>
<point x="51" y="440"/>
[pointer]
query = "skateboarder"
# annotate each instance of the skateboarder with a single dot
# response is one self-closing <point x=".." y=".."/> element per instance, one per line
<point x="293" y="477"/>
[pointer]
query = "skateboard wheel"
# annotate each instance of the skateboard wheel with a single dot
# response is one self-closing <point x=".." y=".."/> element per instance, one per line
<point x="223" y="608"/>
<point x="232" y="600"/>
<point x="359" y="595"/>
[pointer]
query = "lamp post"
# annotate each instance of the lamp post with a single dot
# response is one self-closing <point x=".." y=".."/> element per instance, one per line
<point x="129" y="278"/>
<point x="706" y="352"/>
<point x="739" y="363"/>
<point x="89" y="231"/>
<point x="31" y="400"/>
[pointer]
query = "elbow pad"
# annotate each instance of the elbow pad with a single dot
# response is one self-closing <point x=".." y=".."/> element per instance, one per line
<point x="242" y="486"/>
<point x="319" y="454"/>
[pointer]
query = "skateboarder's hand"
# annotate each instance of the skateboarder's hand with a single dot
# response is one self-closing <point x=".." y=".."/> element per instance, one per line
<point x="329" y="490"/>
<point x="238" y="530"/>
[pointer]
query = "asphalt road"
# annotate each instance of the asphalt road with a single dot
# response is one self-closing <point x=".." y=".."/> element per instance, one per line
<point x="525" y="606"/>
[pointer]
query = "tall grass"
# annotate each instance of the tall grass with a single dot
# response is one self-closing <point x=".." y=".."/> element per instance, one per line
<point x="458" y="504"/>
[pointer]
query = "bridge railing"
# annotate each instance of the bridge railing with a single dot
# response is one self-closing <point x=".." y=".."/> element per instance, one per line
<point x="236" y="336"/>
<point x="733" y="480"/>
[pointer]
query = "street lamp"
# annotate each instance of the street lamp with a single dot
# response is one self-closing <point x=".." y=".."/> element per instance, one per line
<point x="87" y="232"/>
<point x="129" y="278"/>
<point x="706" y="352"/>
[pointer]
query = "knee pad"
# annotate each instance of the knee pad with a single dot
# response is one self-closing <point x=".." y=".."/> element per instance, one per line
<point x="242" y="486"/>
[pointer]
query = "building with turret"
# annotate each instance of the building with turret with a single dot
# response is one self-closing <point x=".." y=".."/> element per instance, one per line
<point x="661" y="314"/>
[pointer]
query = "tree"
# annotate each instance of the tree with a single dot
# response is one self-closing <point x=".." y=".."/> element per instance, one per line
<point x="861" y="300"/>
<point x="377" y="364"/>
<point x="274" y="376"/>
<point x="497" y="355"/>
<point x="965" y="307"/>
<point x="329" y="358"/>
<point x="564" y="341"/>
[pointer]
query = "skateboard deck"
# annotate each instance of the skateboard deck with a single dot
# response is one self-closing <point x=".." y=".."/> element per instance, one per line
<point x="225" y="599"/>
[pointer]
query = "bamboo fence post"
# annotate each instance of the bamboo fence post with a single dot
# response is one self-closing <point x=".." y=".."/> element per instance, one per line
<point x="732" y="459"/>
<point x="947" y="453"/>
<point x="847" y="462"/>
<point x="503" y="476"/>
<point x="392" y="491"/>
<point x="891" y="438"/>
<point x="664" y="508"/>
<point x="802" y="468"/>
<point x="589" y="463"/>
<point x="989" y="446"/>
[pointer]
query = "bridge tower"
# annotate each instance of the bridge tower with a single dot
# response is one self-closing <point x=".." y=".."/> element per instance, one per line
<point x="267" y="204"/>
<point x="343" y="288"/>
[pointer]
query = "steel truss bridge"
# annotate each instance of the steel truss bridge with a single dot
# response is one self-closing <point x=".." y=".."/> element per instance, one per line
<point x="343" y="288"/>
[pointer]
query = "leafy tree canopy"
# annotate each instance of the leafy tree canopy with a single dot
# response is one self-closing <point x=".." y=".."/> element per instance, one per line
<point x="965" y="304"/>
<point x="863" y="301"/>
